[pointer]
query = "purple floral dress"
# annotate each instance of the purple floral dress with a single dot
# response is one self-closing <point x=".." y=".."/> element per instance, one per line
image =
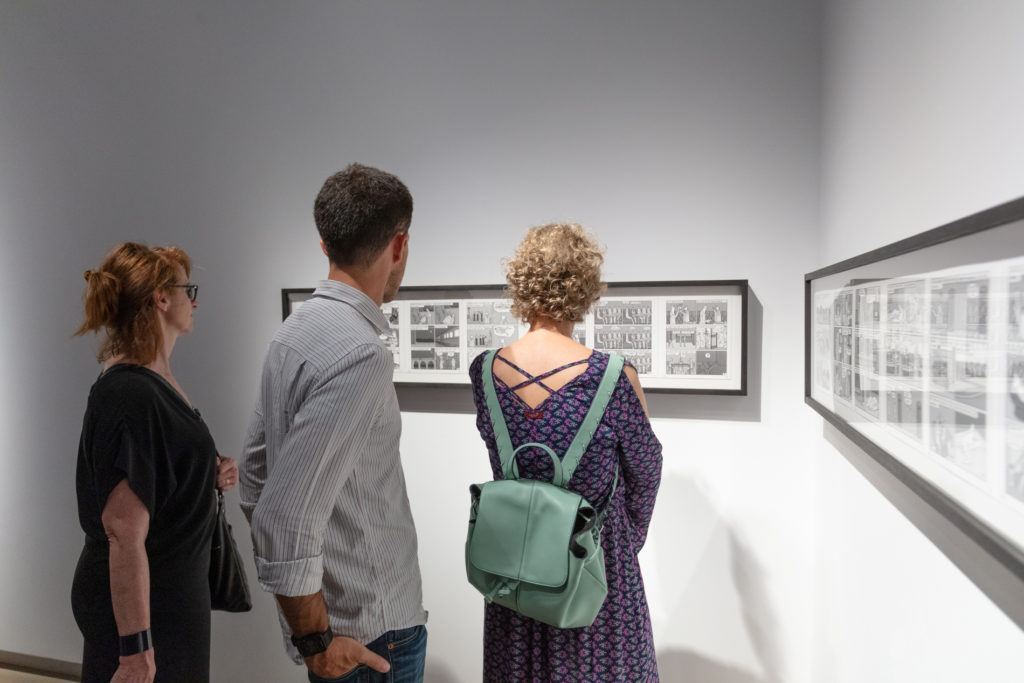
<point x="619" y="645"/>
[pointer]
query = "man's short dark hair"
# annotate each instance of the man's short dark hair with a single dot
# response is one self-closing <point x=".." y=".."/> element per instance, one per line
<point x="358" y="211"/>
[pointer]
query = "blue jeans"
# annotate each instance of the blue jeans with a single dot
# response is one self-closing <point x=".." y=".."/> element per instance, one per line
<point x="405" y="649"/>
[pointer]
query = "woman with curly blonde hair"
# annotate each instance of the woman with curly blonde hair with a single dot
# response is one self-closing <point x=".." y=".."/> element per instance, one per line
<point x="545" y="383"/>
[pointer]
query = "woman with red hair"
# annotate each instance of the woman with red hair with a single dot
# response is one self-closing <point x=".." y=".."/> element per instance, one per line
<point x="147" y="470"/>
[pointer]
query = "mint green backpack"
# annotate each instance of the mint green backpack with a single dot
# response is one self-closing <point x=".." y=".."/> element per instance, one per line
<point x="533" y="546"/>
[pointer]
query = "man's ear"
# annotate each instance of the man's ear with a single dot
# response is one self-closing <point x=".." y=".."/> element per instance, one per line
<point x="398" y="243"/>
<point x="323" y="248"/>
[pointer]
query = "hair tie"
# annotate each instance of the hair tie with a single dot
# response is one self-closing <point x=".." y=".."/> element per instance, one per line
<point x="88" y="274"/>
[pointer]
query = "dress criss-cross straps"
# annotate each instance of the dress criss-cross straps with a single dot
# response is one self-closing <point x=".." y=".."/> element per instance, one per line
<point x="536" y="412"/>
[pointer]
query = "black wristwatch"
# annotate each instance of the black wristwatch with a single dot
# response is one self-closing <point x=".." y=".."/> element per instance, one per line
<point x="313" y="643"/>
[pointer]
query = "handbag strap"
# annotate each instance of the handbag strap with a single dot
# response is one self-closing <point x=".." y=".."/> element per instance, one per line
<point x="571" y="459"/>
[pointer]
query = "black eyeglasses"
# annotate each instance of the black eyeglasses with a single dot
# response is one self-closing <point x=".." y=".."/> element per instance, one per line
<point x="191" y="291"/>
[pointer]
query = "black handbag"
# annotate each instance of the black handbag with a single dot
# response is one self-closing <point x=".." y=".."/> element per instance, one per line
<point x="229" y="587"/>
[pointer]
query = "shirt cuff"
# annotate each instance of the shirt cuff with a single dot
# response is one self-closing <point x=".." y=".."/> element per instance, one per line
<point x="293" y="578"/>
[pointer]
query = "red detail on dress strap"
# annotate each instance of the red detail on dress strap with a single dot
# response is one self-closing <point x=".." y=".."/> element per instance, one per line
<point x="533" y="414"/>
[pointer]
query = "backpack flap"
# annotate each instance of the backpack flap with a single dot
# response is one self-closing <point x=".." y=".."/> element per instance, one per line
<point x="519" y="526"/>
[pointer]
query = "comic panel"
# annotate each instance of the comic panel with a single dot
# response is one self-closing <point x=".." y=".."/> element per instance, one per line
<point x="390" y="338"/>
<point x="866" y="394"/>
<point x="842" y="345"/>
<point x="1015" y="391"/>
<point x="959" y="307"/>
<point x="868" y="351"/>
<point x="491" y="336"/>
<point x="620" y="338"/>
<point x="682" y="361"/>
<point x="579" y="333"/>
<point x="842" y="309"/>
<point x="446" y="360"/>
<point x="623" y="327"/>
<point x="905" y="304"/>
<point x="705" y="311"/>
<point x="904" y="409"/>
<point x="711" y="362"/>
<point x="842" y="385"/>
<point x="1015" y="427"/>
<point x="390" y="311"/>
<point x="622" y="313"/>
<point x="490" y="313"/>
<point x="904" y="355"/>
<point x="434" y="359"/>
<point x="434" y="336"/>
<point x="641" y="360"/>
<point x="823" y="308"/>
<point x="869" y="304"/>
<point x="958" y="435"/>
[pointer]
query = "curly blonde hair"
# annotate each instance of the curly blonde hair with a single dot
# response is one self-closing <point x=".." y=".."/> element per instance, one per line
<point x="555" y="273"/>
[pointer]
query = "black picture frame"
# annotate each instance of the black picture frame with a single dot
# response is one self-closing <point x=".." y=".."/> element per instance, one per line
<point x="911" y="350"/>
<point x="652" y="321"/>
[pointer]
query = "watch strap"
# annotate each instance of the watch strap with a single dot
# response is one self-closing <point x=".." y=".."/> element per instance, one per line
<point x="136" y="643"/>
<point x="313" y="643"/>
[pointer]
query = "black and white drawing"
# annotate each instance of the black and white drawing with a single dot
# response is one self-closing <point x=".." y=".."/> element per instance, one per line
<point x="696" y="336"/>
<point x="491" y="325"/>
<point x="905" y="410"/>
<point x="865" y="393"/>
<point x="696" y="311"/>
<point x="958" y="435"/>
<point x="869" y="302"/>
<point x="579" y="333"/>
<point x="436" y="333"/>
<point x="490" y="313"/>
<point x="916" y="353"/>
<point x="481" y="337"/>
<point x="434" y="336"/>
<point x="629" y="313"/>
<point x="1014" y="471"/>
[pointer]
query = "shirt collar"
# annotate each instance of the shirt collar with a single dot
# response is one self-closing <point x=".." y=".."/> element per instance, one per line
<point x="339" y="291"/>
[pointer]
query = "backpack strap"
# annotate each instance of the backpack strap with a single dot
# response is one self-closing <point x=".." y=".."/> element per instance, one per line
<point x="505" y="452"/>
<point x="586" y="431"/>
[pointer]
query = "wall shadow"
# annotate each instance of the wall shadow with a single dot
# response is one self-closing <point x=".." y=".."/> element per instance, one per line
<point x="437" y="672"/>
<point x="1000" y="584"/>
<point x="435" y="398"/>
<point x="447" y="398"/>
<point x="684" y="665"/>
<point x="755" y="606"/>
<point x="714" y="549"/>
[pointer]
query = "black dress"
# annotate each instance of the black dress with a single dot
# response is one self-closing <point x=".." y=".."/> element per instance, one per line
<point x="138" y="428"/>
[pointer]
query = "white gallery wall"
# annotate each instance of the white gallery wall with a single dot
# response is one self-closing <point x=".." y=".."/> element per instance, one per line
<point x="684" y="134"/>
<point x="693" y="137"/>
<point x="922" y="104"/>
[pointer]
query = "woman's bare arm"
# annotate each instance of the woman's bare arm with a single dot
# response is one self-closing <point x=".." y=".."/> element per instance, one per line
<point x="126" y="523"/>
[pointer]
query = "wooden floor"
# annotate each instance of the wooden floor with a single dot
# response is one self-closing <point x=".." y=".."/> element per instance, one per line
<point x="8" y="676"/>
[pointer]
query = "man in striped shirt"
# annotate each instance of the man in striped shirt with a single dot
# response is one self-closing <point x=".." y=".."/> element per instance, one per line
<point x="321" y="476"/>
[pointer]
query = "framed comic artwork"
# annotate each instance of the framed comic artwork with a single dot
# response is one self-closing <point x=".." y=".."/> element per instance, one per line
<point x="686" y="337"/>
<point x="915" y="351"/>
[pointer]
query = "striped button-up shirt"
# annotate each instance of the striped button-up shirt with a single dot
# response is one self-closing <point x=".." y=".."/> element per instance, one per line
<point x="321" y="478"/>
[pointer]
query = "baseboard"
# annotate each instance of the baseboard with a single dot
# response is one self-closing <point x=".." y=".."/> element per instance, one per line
<point x="42" y="666"/>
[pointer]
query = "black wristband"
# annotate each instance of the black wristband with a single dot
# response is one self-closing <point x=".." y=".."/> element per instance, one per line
<point x="136" y="643"/>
